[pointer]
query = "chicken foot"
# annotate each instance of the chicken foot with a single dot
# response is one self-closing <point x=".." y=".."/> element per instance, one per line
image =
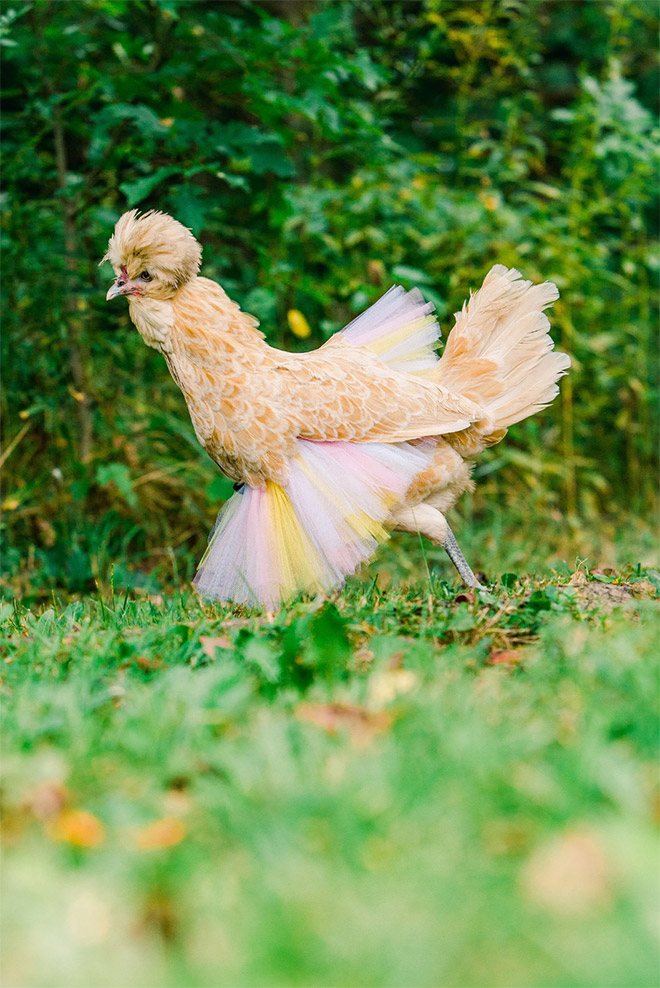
<point x="453" y="550"/>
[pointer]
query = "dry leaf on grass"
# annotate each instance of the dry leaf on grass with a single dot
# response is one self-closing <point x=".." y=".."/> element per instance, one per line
<point x="166" y="832"/>
<point x="147" y="664"/>
<point x="568" y="874"/>
<point x="77" y="827"/>
<point x="362" y="724"/>
<point x="504" y="657"/>
<point x="209" y="645"/>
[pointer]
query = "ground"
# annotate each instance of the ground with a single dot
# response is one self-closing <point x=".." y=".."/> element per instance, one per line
<point x="392" y="787"/>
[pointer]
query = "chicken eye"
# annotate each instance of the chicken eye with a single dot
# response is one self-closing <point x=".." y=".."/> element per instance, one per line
<point x="145" y="276"/>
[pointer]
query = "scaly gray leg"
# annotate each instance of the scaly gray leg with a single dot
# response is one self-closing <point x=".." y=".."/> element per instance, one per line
<point x="453" y="550"/>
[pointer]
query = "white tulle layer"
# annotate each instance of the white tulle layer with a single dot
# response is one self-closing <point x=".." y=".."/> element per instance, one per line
<point x="400" y="328"/>
<point x="309" y="535"/>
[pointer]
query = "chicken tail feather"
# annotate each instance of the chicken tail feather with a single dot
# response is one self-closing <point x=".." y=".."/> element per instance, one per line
<point x="500" y="355"/>
<point x="311" y="533"/>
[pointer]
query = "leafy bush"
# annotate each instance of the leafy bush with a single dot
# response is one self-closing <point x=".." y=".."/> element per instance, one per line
<point x="320" y="152"/>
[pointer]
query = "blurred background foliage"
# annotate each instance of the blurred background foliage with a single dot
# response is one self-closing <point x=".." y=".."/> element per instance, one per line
<point x="321" y="152"/>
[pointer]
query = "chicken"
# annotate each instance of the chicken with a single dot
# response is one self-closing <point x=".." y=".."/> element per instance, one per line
<point x="332" y="449"/>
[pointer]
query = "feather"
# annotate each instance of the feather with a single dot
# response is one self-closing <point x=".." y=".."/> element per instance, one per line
<point x="500" y="354"/>
<point x="154" y="239"/>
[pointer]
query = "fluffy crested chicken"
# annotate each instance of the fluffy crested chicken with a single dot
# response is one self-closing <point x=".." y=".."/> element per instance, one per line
<point x="332" y="449"/>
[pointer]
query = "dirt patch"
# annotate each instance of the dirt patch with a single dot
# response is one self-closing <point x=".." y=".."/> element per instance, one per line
<point x="611" y="595"/>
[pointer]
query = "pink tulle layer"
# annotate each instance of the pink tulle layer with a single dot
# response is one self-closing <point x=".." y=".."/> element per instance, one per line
<point x="401" y="328"/>
<point x="310" y="534"/>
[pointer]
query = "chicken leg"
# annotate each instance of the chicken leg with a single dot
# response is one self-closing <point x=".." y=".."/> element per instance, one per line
<point x="431" y="523"/>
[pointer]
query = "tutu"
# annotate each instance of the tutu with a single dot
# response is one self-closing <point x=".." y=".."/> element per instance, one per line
<point x="272" y="543"/>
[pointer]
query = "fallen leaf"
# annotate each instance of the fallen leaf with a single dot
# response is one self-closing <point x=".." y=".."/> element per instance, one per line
<point x="166" y="832"/>
<point x="503" y="657"/>
<point x="362" y="724"/>
<point x="77" y="827"/>
<point x="209" y="645"/>
<point x="144" y="662"/>
<point x="395" y="661"/>
<point x="569" y="874"/>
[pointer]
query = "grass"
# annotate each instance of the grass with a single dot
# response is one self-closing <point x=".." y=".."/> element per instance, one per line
<point x="392" y="787"/>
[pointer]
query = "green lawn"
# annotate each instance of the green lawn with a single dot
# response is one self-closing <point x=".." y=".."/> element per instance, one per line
<point x="392" y="788"/>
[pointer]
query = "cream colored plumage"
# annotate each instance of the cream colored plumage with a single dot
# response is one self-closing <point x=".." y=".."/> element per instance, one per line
<point x="375" y="390"/>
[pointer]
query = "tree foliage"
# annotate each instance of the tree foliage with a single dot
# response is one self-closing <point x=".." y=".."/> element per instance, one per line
<point x="320" y="151"/>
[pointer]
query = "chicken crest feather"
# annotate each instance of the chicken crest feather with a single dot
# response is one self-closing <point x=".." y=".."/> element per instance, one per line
<point x="154" y="241"/>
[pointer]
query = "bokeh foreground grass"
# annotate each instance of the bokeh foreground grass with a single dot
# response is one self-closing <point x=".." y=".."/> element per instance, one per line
<point x="392" y="788"/>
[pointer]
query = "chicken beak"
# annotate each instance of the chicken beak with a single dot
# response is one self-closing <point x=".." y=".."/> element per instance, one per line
<point x="118" y="288"/>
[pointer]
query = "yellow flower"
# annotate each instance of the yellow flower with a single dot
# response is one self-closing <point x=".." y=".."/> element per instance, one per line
<point x="298" y="324"/>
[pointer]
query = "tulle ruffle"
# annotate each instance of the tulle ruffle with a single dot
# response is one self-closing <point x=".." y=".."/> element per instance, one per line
<point x="401" y="328"/>
<point x="309" y="535"/>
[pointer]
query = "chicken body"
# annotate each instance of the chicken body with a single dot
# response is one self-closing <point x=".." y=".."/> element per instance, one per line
<point x="251" y="405"/>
